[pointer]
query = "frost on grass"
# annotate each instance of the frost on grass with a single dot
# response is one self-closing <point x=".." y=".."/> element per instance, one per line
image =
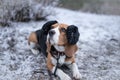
<point x="99" y="48"/>
<point x="16" y="60"/>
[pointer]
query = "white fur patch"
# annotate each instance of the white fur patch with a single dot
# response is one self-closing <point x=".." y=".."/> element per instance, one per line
<point x="75" y="70"/>
<point x="68" y="62"/>
<point x="32" y="46"/>
<point x="61" y="74"/>
<point x="59" y="48"/>
<point x="34" y="51"/>
<point x="61" y="60"/>
<point x="55" y="38"/>
<point x="54" y="61"/>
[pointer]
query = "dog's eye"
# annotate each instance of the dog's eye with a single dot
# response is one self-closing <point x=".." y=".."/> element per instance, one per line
<point x="63" y="29"/>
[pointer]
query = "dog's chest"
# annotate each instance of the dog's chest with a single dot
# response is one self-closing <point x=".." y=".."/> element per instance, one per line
<point x="60" y="61"/>
<point x="61" y="58"/>
<point x="59" y="48"/>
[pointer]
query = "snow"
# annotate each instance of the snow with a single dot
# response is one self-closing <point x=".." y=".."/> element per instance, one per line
<point x="99" y="47"/>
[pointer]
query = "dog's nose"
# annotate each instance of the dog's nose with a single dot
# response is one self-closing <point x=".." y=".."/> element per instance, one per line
<point x="51" y="32"/>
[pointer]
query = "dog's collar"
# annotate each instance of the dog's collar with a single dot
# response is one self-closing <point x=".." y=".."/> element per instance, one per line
<point x="56" y="53"/>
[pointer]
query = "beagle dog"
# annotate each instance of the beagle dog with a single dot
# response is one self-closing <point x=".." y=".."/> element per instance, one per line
<point x="58" y="42"/>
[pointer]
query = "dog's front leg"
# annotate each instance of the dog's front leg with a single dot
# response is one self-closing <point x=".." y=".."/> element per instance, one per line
<point x="76" y="73"/>
<point x="61" y="74"/>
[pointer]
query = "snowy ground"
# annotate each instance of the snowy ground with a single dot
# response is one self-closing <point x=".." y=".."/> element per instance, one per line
<point x="99" y="48"/>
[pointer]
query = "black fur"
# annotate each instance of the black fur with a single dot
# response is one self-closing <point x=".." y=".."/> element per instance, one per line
<point x="72" y="34"/>
<point x="47" y="26"/>
<point x="42" y="36"/>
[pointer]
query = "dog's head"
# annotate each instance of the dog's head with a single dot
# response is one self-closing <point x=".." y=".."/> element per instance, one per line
<point x="62" y="34"/>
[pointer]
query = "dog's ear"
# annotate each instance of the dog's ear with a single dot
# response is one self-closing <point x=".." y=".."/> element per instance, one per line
<point x="47" y="26"/>
<point x="72" y="34"/>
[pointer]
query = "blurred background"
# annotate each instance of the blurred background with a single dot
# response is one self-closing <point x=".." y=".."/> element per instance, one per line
<point x="111" y="7"/>
<point x="27" y="10"/>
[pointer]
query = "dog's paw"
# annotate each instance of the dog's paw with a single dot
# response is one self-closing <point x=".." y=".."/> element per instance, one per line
<point x="77" y="75"/>
<point x="34" y="51"/>
<point x="65" y="77"/>
<point x="62" y="75"/>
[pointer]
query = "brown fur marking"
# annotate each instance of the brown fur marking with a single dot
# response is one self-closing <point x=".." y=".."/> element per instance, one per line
<point x="32" y="38"/>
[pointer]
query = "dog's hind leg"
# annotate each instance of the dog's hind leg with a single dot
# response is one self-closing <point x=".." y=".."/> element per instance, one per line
<point x="33" y="48"/>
